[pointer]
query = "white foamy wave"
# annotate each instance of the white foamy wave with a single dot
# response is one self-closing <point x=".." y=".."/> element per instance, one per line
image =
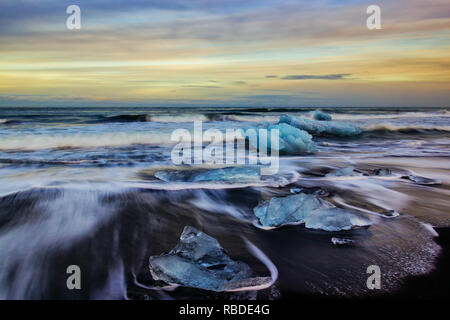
<point x="93" y="140"/>
<point x="253" y="118"/>
<point x="394" y="128"/>
<point x="180" y="118"/>
<point x="442" y="113"/>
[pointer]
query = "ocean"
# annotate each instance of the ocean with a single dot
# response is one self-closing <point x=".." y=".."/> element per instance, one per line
<point x="80" y="186"/>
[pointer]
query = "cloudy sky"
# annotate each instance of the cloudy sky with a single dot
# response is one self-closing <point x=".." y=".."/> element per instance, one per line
<point x="225" y="52"/>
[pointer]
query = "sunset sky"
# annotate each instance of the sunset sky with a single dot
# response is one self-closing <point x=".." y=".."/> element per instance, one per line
<point x="225" y="52"/>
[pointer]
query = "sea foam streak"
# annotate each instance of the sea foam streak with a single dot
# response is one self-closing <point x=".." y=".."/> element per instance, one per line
<point x="84" y="140"/>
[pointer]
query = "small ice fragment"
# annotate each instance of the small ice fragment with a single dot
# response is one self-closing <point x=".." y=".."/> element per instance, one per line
<point x="342" y="242"/>
<point x="321" y="192"/>
<point x="335" y="219"/>
<point x="382" y="172"/>
<point x="198" y="261"/>
<point x="288" y="210"/>
<point x="321" y="116"/>
<point x="296" y="190"/>
<point x="314" y="127"/>
<point x="349" y="171"/>
<point x="422" y="180"/>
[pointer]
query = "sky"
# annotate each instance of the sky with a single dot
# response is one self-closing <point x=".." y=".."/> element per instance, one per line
<point x="225" y="53"/>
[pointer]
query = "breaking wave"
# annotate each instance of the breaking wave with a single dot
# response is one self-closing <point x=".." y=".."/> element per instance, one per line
<point x="390" y="116"/>
<point x="388" y="127"/>
<point x="87" y="140"/>
<point x="127" y="118"/>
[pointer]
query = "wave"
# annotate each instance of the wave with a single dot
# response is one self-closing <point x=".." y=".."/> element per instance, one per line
<point x="253" y="118"/>
<point x="126" y="118"/>
<point x="180" y="118"/>
<point x="411" y="129"/>
<point x="349" y="116"/>
<point x="9" y="122"/>
<point x="94" y="140"/>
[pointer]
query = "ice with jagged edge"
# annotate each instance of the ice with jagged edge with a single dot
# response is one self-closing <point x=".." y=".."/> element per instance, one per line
<point x="288" y="210"/>
<point x="291" y="140"/>
<point x="198" y="261"/>
<point x="309" y="209"/>
<point x="314" y="127"/>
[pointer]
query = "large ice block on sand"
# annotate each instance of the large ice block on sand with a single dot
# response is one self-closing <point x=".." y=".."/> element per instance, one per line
<point x="229" y="174"/>
<point x="335" y="219"/>
<point x="321" y="116"/>
<point x="292" y="209"/>
<point x="291" y="140"/>
<point x="314" y="127"/>
<point x="199" y="261"/>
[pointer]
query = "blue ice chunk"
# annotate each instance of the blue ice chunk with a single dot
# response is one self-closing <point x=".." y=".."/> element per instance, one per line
<point x="339" y="129"/>
<point x="335" y="219"/>
<point x="342" y="172"/>
<point x="198" y="261"/>
<point x="291" y="140"/>
<point x="229" y="174"/>
<point x="292" y="209"/>
<point x="321" y="116"/>
<point x="173" y="175"/>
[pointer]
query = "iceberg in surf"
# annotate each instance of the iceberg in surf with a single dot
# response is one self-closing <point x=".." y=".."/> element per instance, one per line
<point x="335" y="219"/>
<point x="291" y="140"/>
<point x="229" y="174"/>
<point x="288" y="210"/>
<point x="322" y="127"/>
<point x="309" y="209"/>
<point x="321" y="116"/>
<point x="198" y="261"/>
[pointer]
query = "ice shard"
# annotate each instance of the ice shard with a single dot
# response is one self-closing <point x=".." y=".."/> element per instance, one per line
<point x="198" y="261"/>
<point x="288" y="210"/>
